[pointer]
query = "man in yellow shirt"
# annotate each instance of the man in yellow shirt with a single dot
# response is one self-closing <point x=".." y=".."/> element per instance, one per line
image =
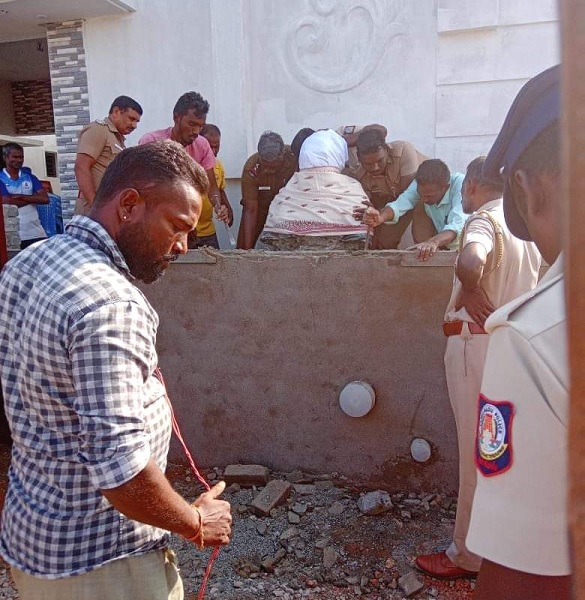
<point x="205" y="234"/>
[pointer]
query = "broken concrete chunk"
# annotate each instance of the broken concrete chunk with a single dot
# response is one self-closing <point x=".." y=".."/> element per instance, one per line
<point x="293" y="518"/>
<point x="304" y="489"/>
<point x="246" y="475"/>
<point x="299" y="508"/>
<point x="273" y="495"/>
<point x="374" y="503"/>
<point x="288" y="534"/>
<point x="329" y="557"/>
<point x="261" y="527"/>
<point x="336" y="508"/>
<point x="410" y="584"/>
<point x="324" y="485"/>
<point x="269" y="563"/>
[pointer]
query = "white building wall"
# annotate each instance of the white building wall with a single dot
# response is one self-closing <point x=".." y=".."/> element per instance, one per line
<point x="486" y="51"/>
<point x="34" y="157"/>
<point x="439" y="73"/>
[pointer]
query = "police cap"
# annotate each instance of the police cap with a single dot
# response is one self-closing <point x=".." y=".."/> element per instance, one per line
<point x="537" y="105"/>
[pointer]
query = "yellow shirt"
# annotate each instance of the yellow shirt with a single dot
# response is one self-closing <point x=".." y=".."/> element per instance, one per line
<point x="205" y="226"/>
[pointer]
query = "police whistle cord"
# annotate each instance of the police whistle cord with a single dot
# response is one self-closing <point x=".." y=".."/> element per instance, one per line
<point x="178" y="434"/>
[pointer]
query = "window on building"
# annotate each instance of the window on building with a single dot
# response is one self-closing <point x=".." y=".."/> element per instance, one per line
<point x="51" y="164"/>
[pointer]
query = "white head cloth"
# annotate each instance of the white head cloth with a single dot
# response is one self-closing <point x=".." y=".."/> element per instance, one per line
<point x="323" y="149"/>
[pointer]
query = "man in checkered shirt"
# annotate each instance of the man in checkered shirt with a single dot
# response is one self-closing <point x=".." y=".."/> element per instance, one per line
<point x="88" y="508"/>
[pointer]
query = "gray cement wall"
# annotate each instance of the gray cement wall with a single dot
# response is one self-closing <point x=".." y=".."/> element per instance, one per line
<point x="256" y="347"/>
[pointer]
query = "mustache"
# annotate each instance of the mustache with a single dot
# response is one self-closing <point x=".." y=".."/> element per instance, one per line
<point x="171" y="257"/>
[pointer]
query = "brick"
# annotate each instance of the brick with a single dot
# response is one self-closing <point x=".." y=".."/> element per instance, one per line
<point x="246" y="475"/>
<point x="411" y="584"/>
<point x="273" y="495"/>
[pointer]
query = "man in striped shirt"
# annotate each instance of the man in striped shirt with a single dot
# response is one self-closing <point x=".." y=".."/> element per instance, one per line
<point x="88" y="506"/>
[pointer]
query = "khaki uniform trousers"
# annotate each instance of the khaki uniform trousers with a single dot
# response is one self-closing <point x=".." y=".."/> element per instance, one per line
<point x="464" y="362"/>
<point x="151" y="576"/>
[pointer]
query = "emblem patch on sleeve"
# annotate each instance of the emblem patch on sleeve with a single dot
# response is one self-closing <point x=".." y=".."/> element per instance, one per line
<point x="493" y="443"/>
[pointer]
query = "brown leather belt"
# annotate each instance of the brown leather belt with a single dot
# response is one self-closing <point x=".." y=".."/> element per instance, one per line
<point x="455" y="328"/>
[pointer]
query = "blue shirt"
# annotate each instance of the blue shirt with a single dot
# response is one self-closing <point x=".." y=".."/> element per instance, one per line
<point x="447" y="214"/>
<point x="77" y="357"/>
<point x="26" y="184"/>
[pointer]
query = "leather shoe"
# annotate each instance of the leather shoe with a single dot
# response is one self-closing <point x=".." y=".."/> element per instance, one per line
<point x="440" y="566"/>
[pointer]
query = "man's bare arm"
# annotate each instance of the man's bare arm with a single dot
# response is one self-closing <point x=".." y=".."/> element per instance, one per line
<point x="20" y="200"/>
<point x="249" y="219"/>
<point x="470" y="267"/>
<point x="215" y="197"/>
<point x="372" y="217"/>
<point x="429" y="247"/>
<point x="83" y="166"/>
<point x="150" y="498"/>
<point x="225" y="202"/>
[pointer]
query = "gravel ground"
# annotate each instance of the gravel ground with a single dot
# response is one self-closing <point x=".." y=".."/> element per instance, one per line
<point x="317" y="545"/>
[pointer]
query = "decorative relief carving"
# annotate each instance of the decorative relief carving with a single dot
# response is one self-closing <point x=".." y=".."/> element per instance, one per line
<point x="339" y="43"/>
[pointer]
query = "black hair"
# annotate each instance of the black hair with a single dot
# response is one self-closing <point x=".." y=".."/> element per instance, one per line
<point x="210" y="128"/>
<point x="433" y="170"/>
<point x="370" y="141"/>
<point x="156" y="163"/>
<point x="9" y="147"/>
<point x="191" y="101"/>
<point x="124" y="103"/>
<point x="475" y="173"/>
<point x="298" y="140"/>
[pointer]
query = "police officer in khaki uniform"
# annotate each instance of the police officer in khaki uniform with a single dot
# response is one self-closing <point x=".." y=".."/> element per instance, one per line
<point x="351" y="134"/>
<point x="97" y="146"/>
<point x="385" y="171"/>
<point x="493" y="267"/>
<point x="264" y="174"/>
<point x="519" y="516"/>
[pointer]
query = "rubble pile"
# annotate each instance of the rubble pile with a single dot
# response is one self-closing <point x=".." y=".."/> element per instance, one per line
<point x="299" y="536"/>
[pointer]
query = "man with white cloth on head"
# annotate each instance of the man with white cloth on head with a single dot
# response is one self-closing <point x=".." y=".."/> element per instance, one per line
<point x="315" y="208"/>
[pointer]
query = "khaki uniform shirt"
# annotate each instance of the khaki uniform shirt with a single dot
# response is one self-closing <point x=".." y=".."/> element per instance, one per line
<point x="102" y="141"/>
<point x="403" y="160"/>
<point x="260" y="187"/>
<point x="519" y="514"/>
<point x="519" y="267"/>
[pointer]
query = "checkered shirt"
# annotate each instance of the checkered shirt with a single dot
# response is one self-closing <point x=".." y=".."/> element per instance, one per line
<point x="77" y="356"/>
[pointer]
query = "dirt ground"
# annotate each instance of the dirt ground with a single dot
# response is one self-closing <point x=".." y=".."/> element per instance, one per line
<point x="325" y="550"/>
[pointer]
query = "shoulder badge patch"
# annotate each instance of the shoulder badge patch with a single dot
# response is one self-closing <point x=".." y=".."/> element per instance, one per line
<point x="493" y="443"/>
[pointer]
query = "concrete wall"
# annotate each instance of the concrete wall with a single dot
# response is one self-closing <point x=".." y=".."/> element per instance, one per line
<point x="256" y="347"/>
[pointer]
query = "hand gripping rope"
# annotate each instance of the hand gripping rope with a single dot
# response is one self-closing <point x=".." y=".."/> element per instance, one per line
<point x="177" y="431"/>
